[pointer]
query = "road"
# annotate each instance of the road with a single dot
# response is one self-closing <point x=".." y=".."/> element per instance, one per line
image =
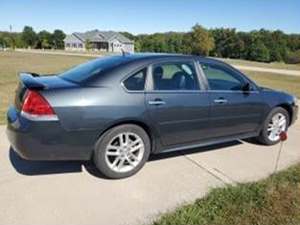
<point x="247" y="68"/>
<point x="34" y="193"/>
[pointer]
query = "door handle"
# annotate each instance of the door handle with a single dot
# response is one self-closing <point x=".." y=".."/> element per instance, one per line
<point x="157" y="102"/>
<point x="220" y="101"/>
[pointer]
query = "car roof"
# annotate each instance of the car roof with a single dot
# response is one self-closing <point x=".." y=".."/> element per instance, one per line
<point x="156" y="56"/>
<point x="145" y="56"/>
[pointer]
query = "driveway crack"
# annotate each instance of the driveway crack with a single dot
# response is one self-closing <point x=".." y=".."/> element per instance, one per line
<point x="224" y="179"/>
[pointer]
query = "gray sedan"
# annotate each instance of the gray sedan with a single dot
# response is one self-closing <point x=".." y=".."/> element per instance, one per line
<point x="118" y="110"/>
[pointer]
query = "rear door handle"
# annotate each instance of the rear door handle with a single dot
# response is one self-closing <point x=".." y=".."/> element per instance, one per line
<point x="220" y="101"/>
<point x="157" y="102"/>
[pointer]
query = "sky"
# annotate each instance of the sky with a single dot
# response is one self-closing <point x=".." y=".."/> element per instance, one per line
<point x="145" y="16"/>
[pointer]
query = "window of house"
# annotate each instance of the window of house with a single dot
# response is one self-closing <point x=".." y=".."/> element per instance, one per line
<point x="136" y="82"/>
<point x="68" y="45"/>
<point x="74" y="45"/>
<point x="221" y="78"/>
<point x="175" y="76"/>
<point x="80" y="45"/>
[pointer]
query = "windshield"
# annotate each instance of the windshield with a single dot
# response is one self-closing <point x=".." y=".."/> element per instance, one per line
<point x="92" y="68"/>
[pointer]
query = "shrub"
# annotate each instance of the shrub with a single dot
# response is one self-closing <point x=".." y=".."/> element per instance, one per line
<point x="293" y="57"/>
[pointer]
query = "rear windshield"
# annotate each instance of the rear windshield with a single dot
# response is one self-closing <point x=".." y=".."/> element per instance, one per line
<point x="92" y="68"/>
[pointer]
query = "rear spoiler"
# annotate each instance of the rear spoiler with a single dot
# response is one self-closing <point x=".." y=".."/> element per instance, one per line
<point x="29" y="80"/>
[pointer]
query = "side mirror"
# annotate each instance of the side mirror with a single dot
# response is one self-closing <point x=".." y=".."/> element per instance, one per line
<point x="246" y="87"/>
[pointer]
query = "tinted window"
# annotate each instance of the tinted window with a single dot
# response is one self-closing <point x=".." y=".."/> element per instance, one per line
<point x="92" y="68"/>
<point x="221" y="78"/>
<point x="136" y="82"/>
<point x="175" y="76"/>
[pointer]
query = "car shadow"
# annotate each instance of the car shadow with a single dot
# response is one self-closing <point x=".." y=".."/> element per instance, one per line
<point x="32" y="168"/>
<point x="253" y="141"/>
<point x="215" y="147"/>
<point x="29" y="167"/>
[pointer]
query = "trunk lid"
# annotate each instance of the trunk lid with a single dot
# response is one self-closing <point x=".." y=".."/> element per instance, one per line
<point x="32" y="81"/>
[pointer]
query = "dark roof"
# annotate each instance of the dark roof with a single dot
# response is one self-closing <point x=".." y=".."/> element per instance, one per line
<point x="97" y="36"/>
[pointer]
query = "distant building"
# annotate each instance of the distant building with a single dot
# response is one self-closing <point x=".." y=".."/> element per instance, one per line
<point x="106" y="41"/>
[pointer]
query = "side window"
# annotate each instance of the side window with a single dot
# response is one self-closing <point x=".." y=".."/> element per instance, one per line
<point x="175" y="76"/>
<point x="136" y="82"/>
<point x="220" y="78"/>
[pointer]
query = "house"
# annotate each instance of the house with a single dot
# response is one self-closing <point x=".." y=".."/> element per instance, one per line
<point x="107" y="41"/>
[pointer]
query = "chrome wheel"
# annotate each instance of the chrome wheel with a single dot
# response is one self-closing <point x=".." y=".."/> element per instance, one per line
<point x="277" y="124"/>
<point x="124" y="152"/>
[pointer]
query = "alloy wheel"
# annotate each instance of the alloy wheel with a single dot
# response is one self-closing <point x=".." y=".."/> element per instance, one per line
<point x="276" y="125"/>
<point x="124" y="152"/>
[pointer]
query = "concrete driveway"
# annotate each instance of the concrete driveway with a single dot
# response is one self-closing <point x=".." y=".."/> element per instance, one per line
<point x="35" y="193"/>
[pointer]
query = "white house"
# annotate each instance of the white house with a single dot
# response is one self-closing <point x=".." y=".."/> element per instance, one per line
<point x="107" y="41"/>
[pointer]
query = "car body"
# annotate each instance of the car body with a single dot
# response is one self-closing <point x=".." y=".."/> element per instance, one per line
<point x="187" y="106"/>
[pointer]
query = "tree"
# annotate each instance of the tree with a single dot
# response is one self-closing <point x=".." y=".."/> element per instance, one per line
<point x="174" y="41"/>
<point x="228" y="43"/>
<point x="259" y="52"/>
<point x="18" y="40"/>
<point x="201" y="41"/>
<point x="58" y="37"/>
<point x="293" y="57"/>
<point x="137" y="45"/>
<point x="45" y="40"/>
<point x="29" y="37"/>
<point x="128" y="35"/>
<point x="88" y="44"/>
<point x="3" y="42"/>
<point x="293" y="42"/>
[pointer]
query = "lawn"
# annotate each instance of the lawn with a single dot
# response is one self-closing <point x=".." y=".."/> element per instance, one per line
<point x="286" y="83"/>
<point x="273" y="201"/>
<point x="13" y="62"/>
<point x="273" y="65"/>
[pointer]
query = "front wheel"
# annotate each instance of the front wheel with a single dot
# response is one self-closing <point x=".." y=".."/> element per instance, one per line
<point x="122" y="151"/>
<point x="276" y="122"/>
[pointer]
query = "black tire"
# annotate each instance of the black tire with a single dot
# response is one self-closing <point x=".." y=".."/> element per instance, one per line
<point x="100" y="148"/>
<point x="263" y="137"/>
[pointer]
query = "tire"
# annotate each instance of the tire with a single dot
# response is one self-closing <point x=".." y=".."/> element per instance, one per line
<point x="109" y="147"/>
<point x="265" y="137"/>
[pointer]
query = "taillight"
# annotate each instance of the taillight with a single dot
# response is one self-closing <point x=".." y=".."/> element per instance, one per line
<point x="35" y="106"/>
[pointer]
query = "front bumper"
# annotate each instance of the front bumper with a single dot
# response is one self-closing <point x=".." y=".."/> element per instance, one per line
<point x="46" y="140"/>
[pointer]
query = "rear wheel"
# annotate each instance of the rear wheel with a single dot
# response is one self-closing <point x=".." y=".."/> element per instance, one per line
<point x="276" y="122"/>
<point x="122" y="151"/>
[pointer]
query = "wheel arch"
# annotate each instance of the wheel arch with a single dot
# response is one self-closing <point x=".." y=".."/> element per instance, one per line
<point x="289" y="109"/>
<point x="146" y="127"/>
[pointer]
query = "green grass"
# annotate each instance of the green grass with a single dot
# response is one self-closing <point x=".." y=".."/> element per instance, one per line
<point x="273" y="201"/>
<point x="274" y="65"/>
<point x="290" y="84"/>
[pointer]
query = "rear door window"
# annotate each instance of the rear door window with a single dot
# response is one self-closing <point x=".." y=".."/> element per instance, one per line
<point x="175" y="76"/>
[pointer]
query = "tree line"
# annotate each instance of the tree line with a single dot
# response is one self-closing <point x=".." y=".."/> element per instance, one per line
<point x="258" y="45"/>
<point x="28" y="38"/>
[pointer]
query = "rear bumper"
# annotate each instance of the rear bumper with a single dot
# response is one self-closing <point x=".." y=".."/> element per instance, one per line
<point x="46" y="140"/>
